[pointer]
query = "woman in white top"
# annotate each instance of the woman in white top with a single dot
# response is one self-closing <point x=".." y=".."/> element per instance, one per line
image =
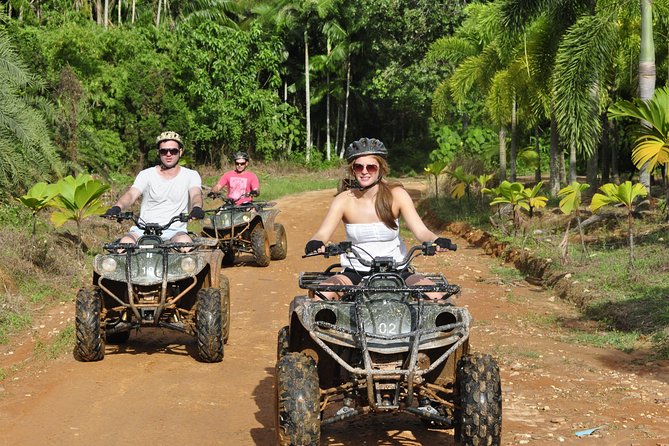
<point x="370" y="212"/>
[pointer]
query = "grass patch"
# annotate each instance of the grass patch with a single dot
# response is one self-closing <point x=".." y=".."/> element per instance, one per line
<point x="59" y="344"/>
<point x="507" y="274"/>
<point x="629" y="302"/>
<point x="11" y="323"/>
<point x="625" y="342"/>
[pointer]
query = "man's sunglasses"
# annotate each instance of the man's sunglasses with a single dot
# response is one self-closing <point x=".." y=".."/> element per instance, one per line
<point x="243" y="163"/>
<point x="371" y="168"/>
<point x="164" y="152"/>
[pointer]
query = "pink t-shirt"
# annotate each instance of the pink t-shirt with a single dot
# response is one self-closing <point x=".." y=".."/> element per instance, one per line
<point x="239" y="183"/>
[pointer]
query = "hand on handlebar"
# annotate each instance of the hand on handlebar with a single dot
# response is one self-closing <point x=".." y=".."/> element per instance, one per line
<point x="444" y="244"/>
<point x="196" y="213"/>
<point x="314" y="246"/>
<point x="112" y="212"/>
<point x="211" y="194"/>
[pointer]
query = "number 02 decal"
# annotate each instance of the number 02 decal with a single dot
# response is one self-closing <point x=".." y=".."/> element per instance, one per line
<point x="388" y="329"/>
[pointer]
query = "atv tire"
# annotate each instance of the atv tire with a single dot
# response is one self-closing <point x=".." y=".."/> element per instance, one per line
<point x="89" y="343"/>
<point x="279" y="250"/>
<point x="225" y="308"/>
<point x="478" y="414"/>
<point x="260" y="244"/>
<point x="282" y="343"/>
<point x="297" y="401"/>
<point x="208" y="325"/>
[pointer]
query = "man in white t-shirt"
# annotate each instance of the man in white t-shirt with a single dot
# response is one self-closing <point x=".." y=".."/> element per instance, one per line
<point x="167" y="190"/>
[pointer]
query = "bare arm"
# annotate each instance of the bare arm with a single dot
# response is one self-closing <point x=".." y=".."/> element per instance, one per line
<point x="195" y="194"/>
<point x="408" y="212"/>
<point x="128" y="199"/>
<point x="331" y="220"/>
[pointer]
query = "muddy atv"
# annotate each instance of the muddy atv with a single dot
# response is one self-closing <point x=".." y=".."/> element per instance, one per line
<point x="246" y="228"/>
<point x="153" y="283"/>
<point x="385" y="347"/>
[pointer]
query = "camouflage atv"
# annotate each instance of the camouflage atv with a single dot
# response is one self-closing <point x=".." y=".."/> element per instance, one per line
<point x="154" y="284"/>
<point x="246" y="228"/>
<point x="385" y="347"/>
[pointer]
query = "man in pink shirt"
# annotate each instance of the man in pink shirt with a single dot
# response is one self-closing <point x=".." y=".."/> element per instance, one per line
<point x="239" y="181"/>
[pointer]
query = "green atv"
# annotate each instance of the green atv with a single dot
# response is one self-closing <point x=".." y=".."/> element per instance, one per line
<point x="153" y="283"/>
<point x="384" y="347"/>
<point x="247" y="228"/>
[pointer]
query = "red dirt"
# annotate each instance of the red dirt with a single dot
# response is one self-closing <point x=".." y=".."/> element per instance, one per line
<point x="153" y="390"/>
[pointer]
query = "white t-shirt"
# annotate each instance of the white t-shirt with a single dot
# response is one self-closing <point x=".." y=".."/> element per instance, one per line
<point x="162" y="199"/>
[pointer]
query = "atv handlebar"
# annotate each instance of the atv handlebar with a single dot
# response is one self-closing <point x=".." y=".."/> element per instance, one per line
<point x="377" y="263"/>
<point x="148" y="228"/>
<point x="232" y="202"/>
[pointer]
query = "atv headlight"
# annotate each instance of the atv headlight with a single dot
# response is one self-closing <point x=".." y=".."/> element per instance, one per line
<point x="246" y="218"/>
<point x="188" y="264"/>
<point x="109" y="265"/>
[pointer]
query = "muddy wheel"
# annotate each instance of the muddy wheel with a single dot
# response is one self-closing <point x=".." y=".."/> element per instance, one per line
<point x="225" y="308"/>
<point x="282" y="343"/>
<point x="478" y="416"/>
<point x="260" y="244"/>
<point x="279" y="250"/>
<point x="89" y="343"/>
<point x="297" y="401"/>
<point x="208" y="325"/>
<point x="120" y="337"/>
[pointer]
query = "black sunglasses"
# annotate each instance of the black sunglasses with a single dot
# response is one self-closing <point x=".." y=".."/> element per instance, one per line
<point x="243" y="163"/>
<point x="171" y="151"/>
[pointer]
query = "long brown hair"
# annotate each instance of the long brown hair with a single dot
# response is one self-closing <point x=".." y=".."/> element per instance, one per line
<point x="384" y="197"/>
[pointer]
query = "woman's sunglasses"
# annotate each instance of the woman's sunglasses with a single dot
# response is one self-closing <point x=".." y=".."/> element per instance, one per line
<point x="164" y="152"/>
<point x="371" y="168"/>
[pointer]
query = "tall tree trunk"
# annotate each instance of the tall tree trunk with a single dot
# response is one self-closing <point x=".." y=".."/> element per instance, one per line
<point x="337" y="122"/>
<point x="537" y="147"/>
<point x="160" y="6"/>
<point x="348" y="92"/>
<point x="572" y="162"/>
<point x="613" y="136"/>
<point x="120" y="4"/>
<point x="307" y="97"/>
<point x="134" y="3"/>
<point x="502" y="153"/>
<point x="327" y="107"/>
<point x="606" y="150"/>
<point x="591" y="171"/>
<point x="106" y="15"/>
<point x="646" y="68"/>
<point x="98" y="12"/>
<point x="514" y="140"/>
<point x="554" y="163"/>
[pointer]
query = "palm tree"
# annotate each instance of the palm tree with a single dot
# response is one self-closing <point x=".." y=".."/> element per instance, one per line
<point x="26" y="151"/>
<point x="296" y="19"/>
<point x="651" y="148"/>
<point x="646" y="67"/>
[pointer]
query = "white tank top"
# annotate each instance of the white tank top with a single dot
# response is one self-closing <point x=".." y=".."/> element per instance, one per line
<point x="376" y="240"/>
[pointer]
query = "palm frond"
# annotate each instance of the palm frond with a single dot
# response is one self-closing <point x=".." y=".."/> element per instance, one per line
<point x="585" y="51"/>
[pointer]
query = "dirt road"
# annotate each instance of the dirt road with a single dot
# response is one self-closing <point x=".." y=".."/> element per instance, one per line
<point x="152" y="390"/>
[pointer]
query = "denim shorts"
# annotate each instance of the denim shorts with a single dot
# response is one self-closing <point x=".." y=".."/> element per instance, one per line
<point x="166" y="235"/>
<point x="355" y="277"/>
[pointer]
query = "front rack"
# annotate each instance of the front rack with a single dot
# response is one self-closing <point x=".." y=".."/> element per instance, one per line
<point x="313" y="281"/>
